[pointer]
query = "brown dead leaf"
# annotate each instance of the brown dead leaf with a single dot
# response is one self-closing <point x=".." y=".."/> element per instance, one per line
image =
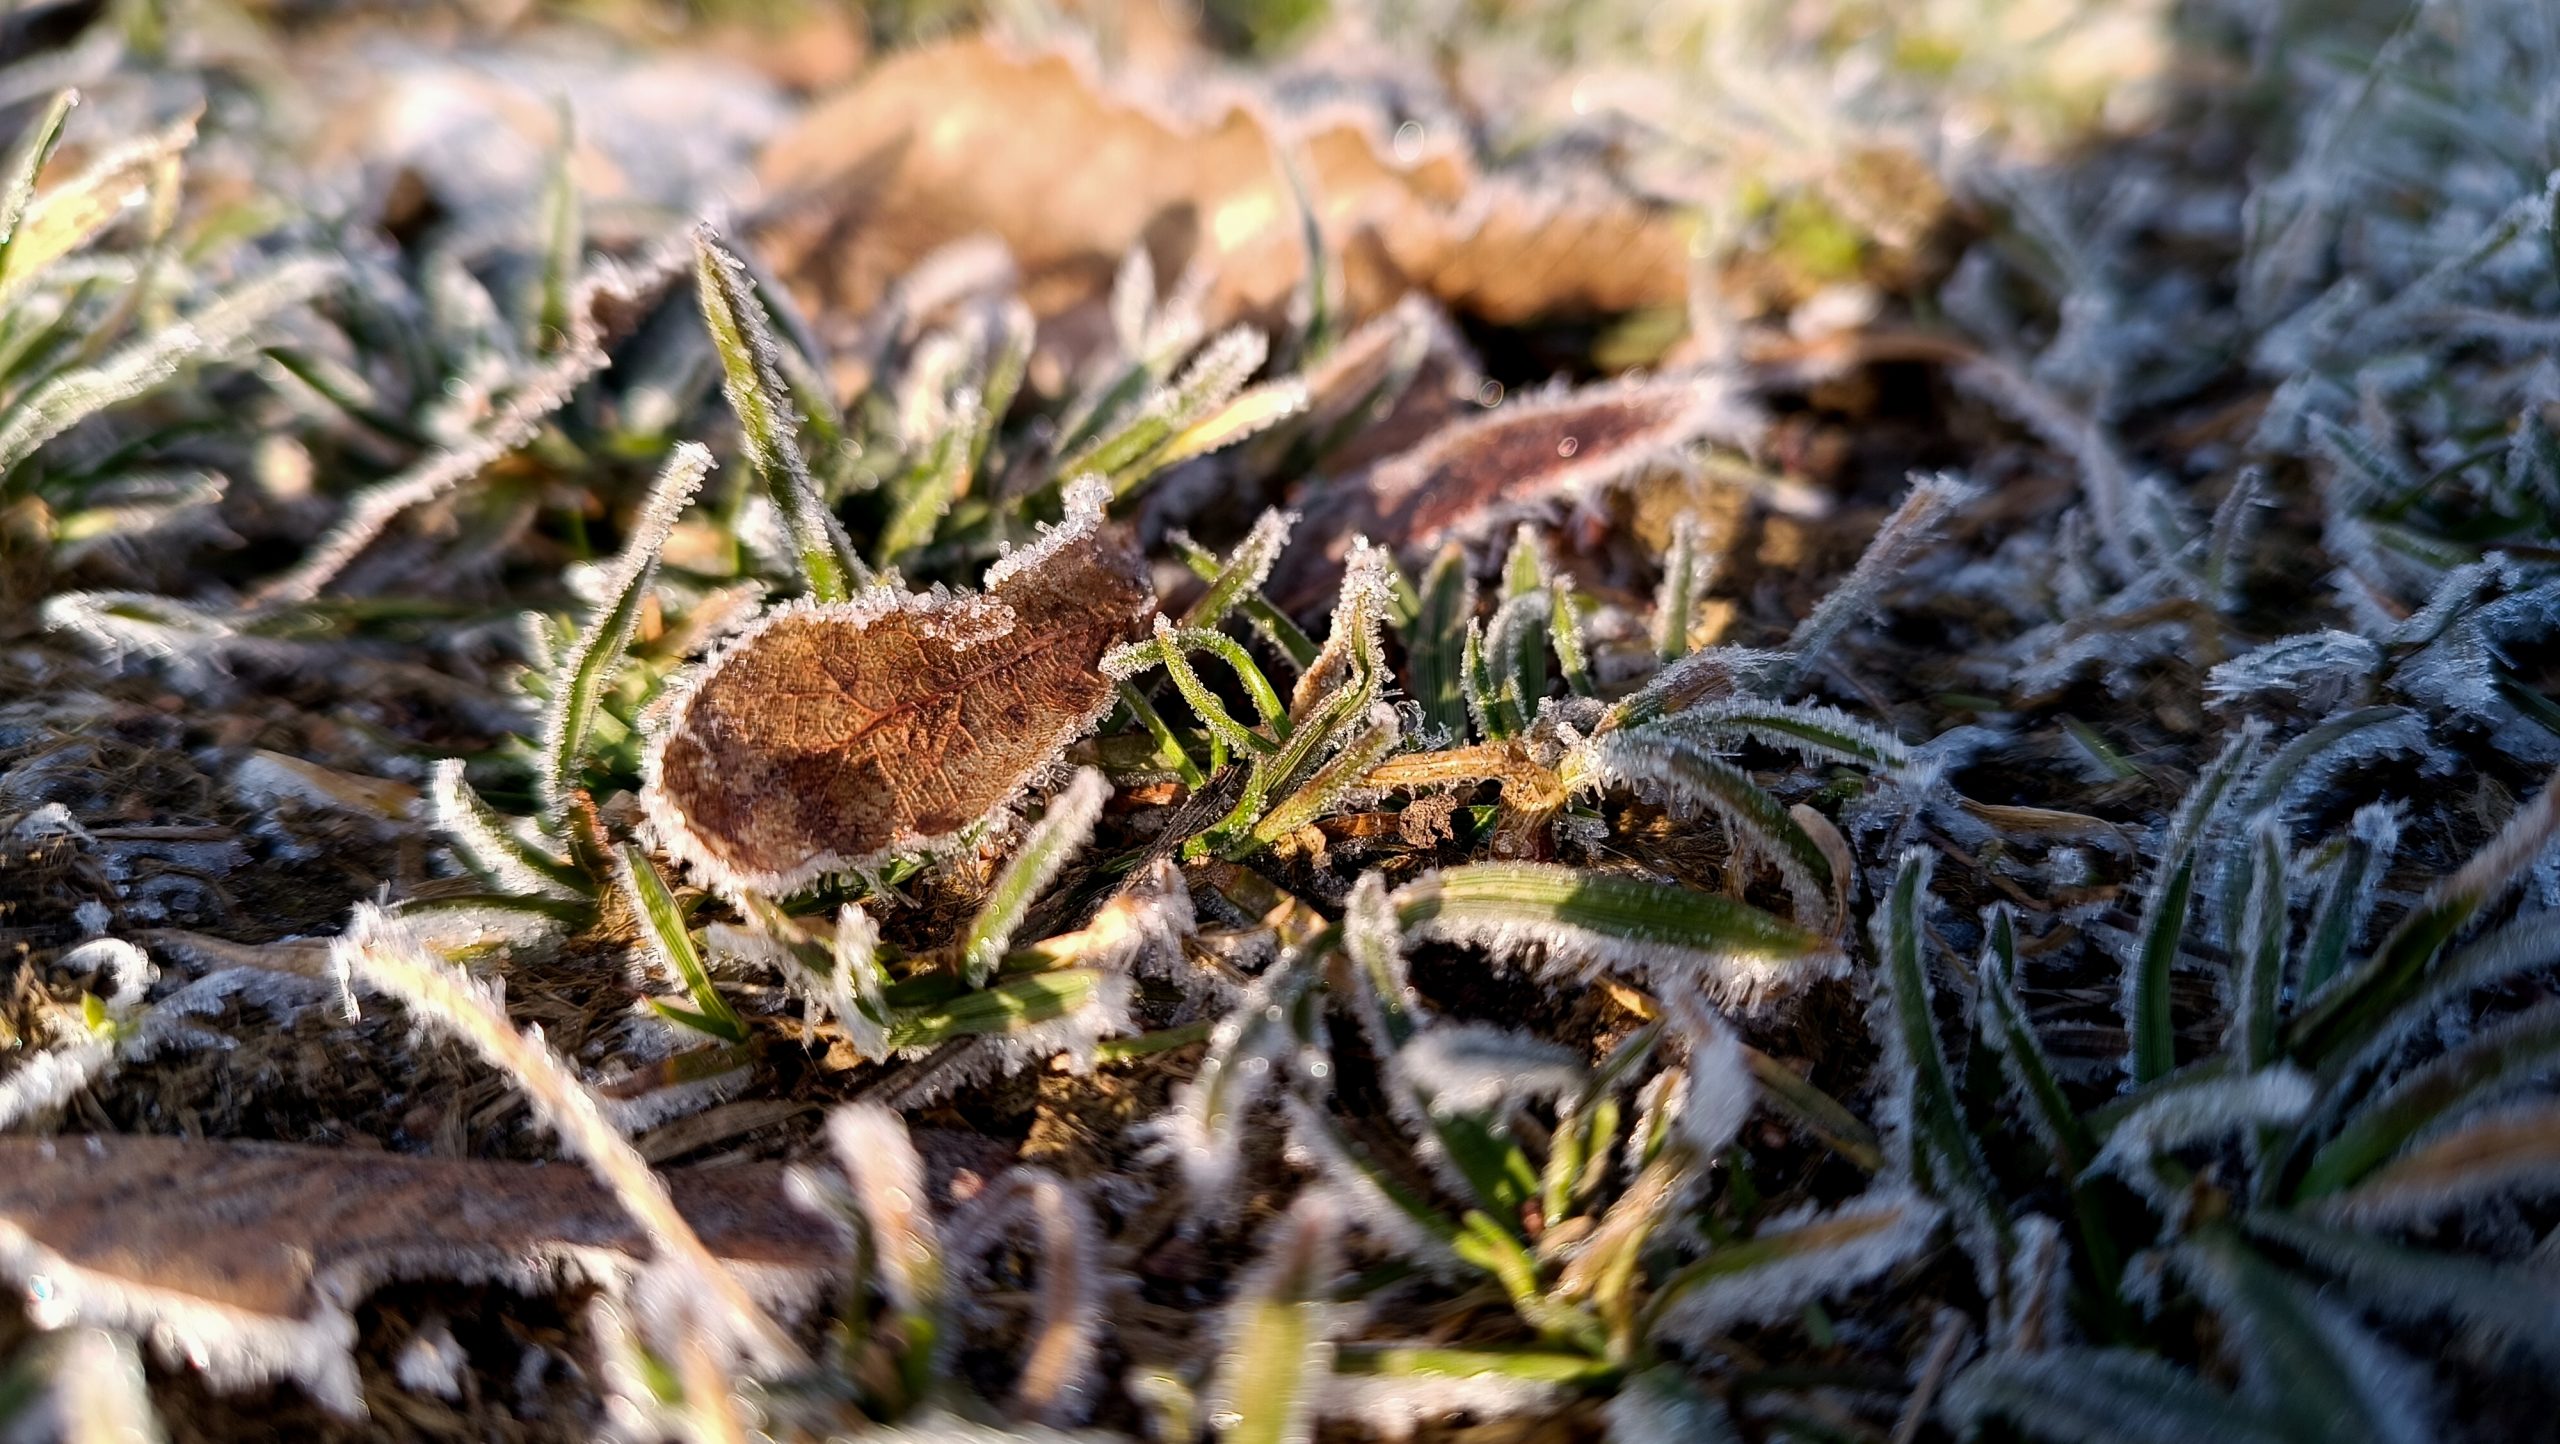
<point x="968" y="138"/>
<point x="1478" y="477"/>
<point x="827" y="736"/>
<point x="246" y="1258"/>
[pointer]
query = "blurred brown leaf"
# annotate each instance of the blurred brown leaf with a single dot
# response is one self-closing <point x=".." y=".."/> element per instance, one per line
<point x="968" y="138"/>
<point x="246" y="1257"/>
<point x="827" y="736"/>
<point x="1472" y="478"/>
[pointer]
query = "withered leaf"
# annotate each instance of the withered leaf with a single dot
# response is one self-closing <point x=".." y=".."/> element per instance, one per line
<point x="1475" y="478"/>
<point x="967" y="138"/>
<point x="246" y="1258"/>
<point x="825" y="737"/>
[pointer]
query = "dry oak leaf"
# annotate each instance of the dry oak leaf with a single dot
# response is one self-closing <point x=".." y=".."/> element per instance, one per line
<point x="247" y="1259"/>
<point x="970" y="138"/>
<point x="826" y="737"/>
<point x="1475" y="478"/>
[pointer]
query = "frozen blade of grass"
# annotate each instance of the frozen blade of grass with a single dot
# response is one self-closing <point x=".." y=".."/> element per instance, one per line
<point x="2261" y="945"/>
<point x="2302" y="1360"/>
<point x="564" y="240"/>
<point x="386" y="954"/>
<point x="1130" y="448"/>
<point x="2165" y="907"/>
<point x="491" y="847"/>
<point x="1244" y="570"/>
<point x="2510" y="1057"/>
<point x="2300" y="768"/>
<point x="1241" y="418"/>
<point x="67" y="398"/>
<point x="1316" y="797"/>
<point x="25" y="164"/>
<point x="1170" y="754"/>
<point x="1686" y="575"/>
<point x="1171" y="649"/>
<point x="2375" y="998"/>
<point x="2347" y="898"/>
<point x="2003" y="1020"/>
<point x="671" y="940"/>
<point x="2302" y="662"/>
<point x="2195" y="1107"/>
<point x="753" y="380"/>
<point x="1524" y="566"/>
<point x="1435" y="642"/>
<point x="2513" y="1151"/>
<point x="1260" y="547"/>
<point x="2101" y="1396"/>
<point x="1613" y="922"/>
<point x="1483" y="694"/>
<point x="931" y="486"/>
<point x="1914" y="524"/>
<point x="1060" y="833"/>
<point x="1683" y="775"/>
<point x="2419" y="1285"/>
<point x="1350" y="670"/>
<point x="1797" y="1259"/>
<point x="1564" y="633"/>
<point x="1374" y="942"/>
<point x="1810" y="730"/>
<point x="1515" y="656"/>
<point x="588" y="667"/>
<point x="1278" y="1332"/>
<point x="1717" y="672"/>
<point x="1034" y="1017"/>
<point x="64" y="219"/>
<point x="1943" y="1156"/>
<point x="2235" y="527"/>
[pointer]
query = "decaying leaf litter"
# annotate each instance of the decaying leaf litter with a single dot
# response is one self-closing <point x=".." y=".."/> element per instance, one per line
<point x="884" y="770"/>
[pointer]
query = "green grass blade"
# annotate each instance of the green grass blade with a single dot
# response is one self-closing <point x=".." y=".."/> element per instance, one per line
<point x="25" y="164"/>
<point x="1064" y="829"/>
<point x="1435" y="645"/>
<point x="2510" y="1057"/>
<point x="751" y="375"/>
<point x="588" y="667"/>
<point x="1015" y="1006"/>
<point x="1684" y="577"/>
<point x="663" y="924"/>
<point x="2266" y="888"/>
<point x="2101" y="1396"/>
<point x="2165" y="908"/>
<point x="1277" y="1349"/>
<point x="1943" y="1152"/>
<point x="2368" y="1001"/>
<point x="2004" y="1021"/>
